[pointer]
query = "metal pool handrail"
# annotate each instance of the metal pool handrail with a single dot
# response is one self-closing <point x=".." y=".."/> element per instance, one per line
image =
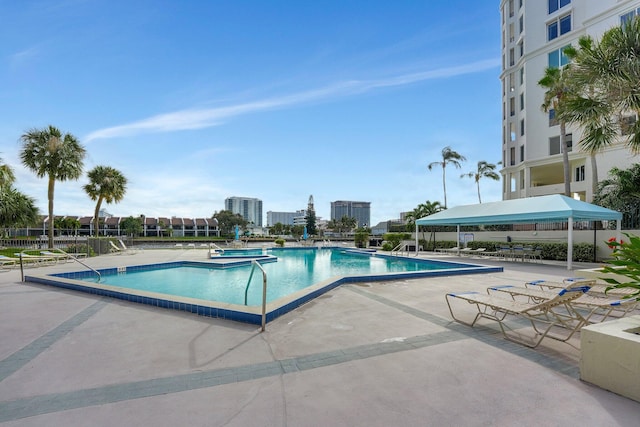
<point x="216" y="247"/>
<point x="68" y="255"/>
<point x="255" y="263"/>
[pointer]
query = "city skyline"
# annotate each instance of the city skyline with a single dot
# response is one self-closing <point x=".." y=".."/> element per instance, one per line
<point x="276" y="101"/>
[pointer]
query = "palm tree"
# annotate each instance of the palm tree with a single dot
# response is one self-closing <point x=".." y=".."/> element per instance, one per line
<point x="555" y="81"/>
<point x="16" y="209"/>
<point x="105" y="184"/>
<point x="7" y="178"/>
<point x="621" y="191"/>
<point x="422" y="210"/>
<point x="485" y="170"/>
<point x="48" y="152"/>
<point x="607" y="73"/>
<point x="448" y="157"/>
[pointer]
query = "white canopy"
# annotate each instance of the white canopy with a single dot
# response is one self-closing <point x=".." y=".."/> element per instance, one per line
<point x="528" y="210"/>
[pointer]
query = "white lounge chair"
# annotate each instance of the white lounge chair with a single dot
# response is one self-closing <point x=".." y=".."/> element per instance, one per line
<point x="115" y="249"/>
<point x="548" y="313"/>
<point x="6" y="262"/>
<point x="59" y="256"/>
<point x="125" y="248"/>
<point x="594" y="304"/>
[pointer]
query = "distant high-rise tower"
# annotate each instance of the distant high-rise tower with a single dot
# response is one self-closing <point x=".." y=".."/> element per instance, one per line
<point x="310" y="204"/>
<point x="247" y="208"/>
<point x="361" y="211"/>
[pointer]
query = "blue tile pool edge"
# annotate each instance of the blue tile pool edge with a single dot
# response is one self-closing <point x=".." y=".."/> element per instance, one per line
<point x="250" y="314"/>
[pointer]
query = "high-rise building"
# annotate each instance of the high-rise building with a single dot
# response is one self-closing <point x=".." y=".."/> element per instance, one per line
<point x="250" y="209"/>
<point x="534" y="34"/>
<point x="285" y="218"/>
<point x="361" y="211"/>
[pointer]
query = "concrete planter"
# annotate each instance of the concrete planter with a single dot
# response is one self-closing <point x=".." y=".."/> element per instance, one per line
<point x="610" y="356"/>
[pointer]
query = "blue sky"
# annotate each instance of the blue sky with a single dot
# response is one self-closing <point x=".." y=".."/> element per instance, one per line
<point x="197" y="101"/>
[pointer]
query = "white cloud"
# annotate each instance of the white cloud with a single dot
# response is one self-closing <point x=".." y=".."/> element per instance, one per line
<point x="203" y="118"/>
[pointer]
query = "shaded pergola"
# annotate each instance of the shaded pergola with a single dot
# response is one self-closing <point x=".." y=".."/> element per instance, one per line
<point x="529" y="210"/>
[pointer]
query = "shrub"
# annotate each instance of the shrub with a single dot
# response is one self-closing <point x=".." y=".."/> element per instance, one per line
<point x="394" y="239"/>
<point x="279" y="242"/>
<point x="626" y="263"/>
<point x="387" y="246"/>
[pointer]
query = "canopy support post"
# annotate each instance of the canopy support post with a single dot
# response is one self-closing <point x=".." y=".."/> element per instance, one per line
<point x="416" y="239"/>
<point x="458" y="242"/>
<point x="570" y="244"/>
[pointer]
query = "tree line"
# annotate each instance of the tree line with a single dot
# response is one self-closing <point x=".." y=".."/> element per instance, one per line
<point x="57" y="156"/>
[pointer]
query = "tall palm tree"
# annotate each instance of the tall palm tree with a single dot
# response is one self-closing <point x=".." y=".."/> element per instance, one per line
<point x="448" y="157"/>
<point x="555" y="80"/>
<point x="106" y="184"/>
<point x="485" y="170"/>
<point x="607" y="72"/>
<point x="48" y="152"/>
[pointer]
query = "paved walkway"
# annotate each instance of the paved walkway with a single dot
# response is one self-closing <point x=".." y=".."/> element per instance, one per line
<point x="374" y="354"/>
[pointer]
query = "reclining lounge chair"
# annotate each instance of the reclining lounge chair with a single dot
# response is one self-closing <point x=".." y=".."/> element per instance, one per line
<point x="543" y="315"/>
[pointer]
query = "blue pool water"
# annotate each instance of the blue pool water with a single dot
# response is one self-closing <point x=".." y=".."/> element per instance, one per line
<point x="294" y="270"/>
<point x="217" y="288"/>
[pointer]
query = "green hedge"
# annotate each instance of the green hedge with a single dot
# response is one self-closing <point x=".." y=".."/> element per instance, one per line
<point x="582" y="252"/>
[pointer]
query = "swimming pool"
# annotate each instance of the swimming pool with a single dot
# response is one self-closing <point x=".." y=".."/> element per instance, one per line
<point x="216" y="288"/>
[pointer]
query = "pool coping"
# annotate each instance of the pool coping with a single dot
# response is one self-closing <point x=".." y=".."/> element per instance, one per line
<point x="236" y="312"/>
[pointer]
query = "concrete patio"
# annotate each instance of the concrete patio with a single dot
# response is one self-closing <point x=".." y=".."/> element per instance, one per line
<point x="370" y="354"/>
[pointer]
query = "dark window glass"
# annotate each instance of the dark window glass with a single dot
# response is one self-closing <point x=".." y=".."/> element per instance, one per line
<point x="553" y="5"/>
<point x="565" y="24"/>
<point x="552" y="31"/>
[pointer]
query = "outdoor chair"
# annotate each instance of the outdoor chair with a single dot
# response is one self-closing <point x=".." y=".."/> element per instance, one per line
<point x="592" y="304"/>
<point x="35" y="260"/>
<point x="504" y="252"/>
<point x="6" y="262"/>
<point x="125" y="248"/>
<point x="115" y="249"/>
<point x="57" y="256"/>
<point x="543" y="315"/>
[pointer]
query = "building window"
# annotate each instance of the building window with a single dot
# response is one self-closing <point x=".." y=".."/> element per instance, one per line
<point x="511" y="9"/>
<point x="522" y="153"/>
<point x="512" y="106"/>
<point x="521" y="48"/>
<point x="522" y="127"/>
<point x="512" y="57"/>
<point x="557" y="58"/>
<point x="522" y="76"/>
<point x="512" y="83"/>
<point x="521" y="24"/>
<point x="559" y="27"/>
<point x="552" y="118"/>
<point x="554" y="144"/>
<point x="580" y="173"/>
<point x="557" y="4"/>
<point x="628" y="17"/>
<point x="521" y="101"/>
<point x="522" y="180"/>
<point x="512" y="131"/>
<point x="626" y="125"/>
<point x="512" y="156"/>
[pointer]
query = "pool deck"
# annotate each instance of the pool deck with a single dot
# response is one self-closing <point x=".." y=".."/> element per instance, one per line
<point x="370" y="354"/>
